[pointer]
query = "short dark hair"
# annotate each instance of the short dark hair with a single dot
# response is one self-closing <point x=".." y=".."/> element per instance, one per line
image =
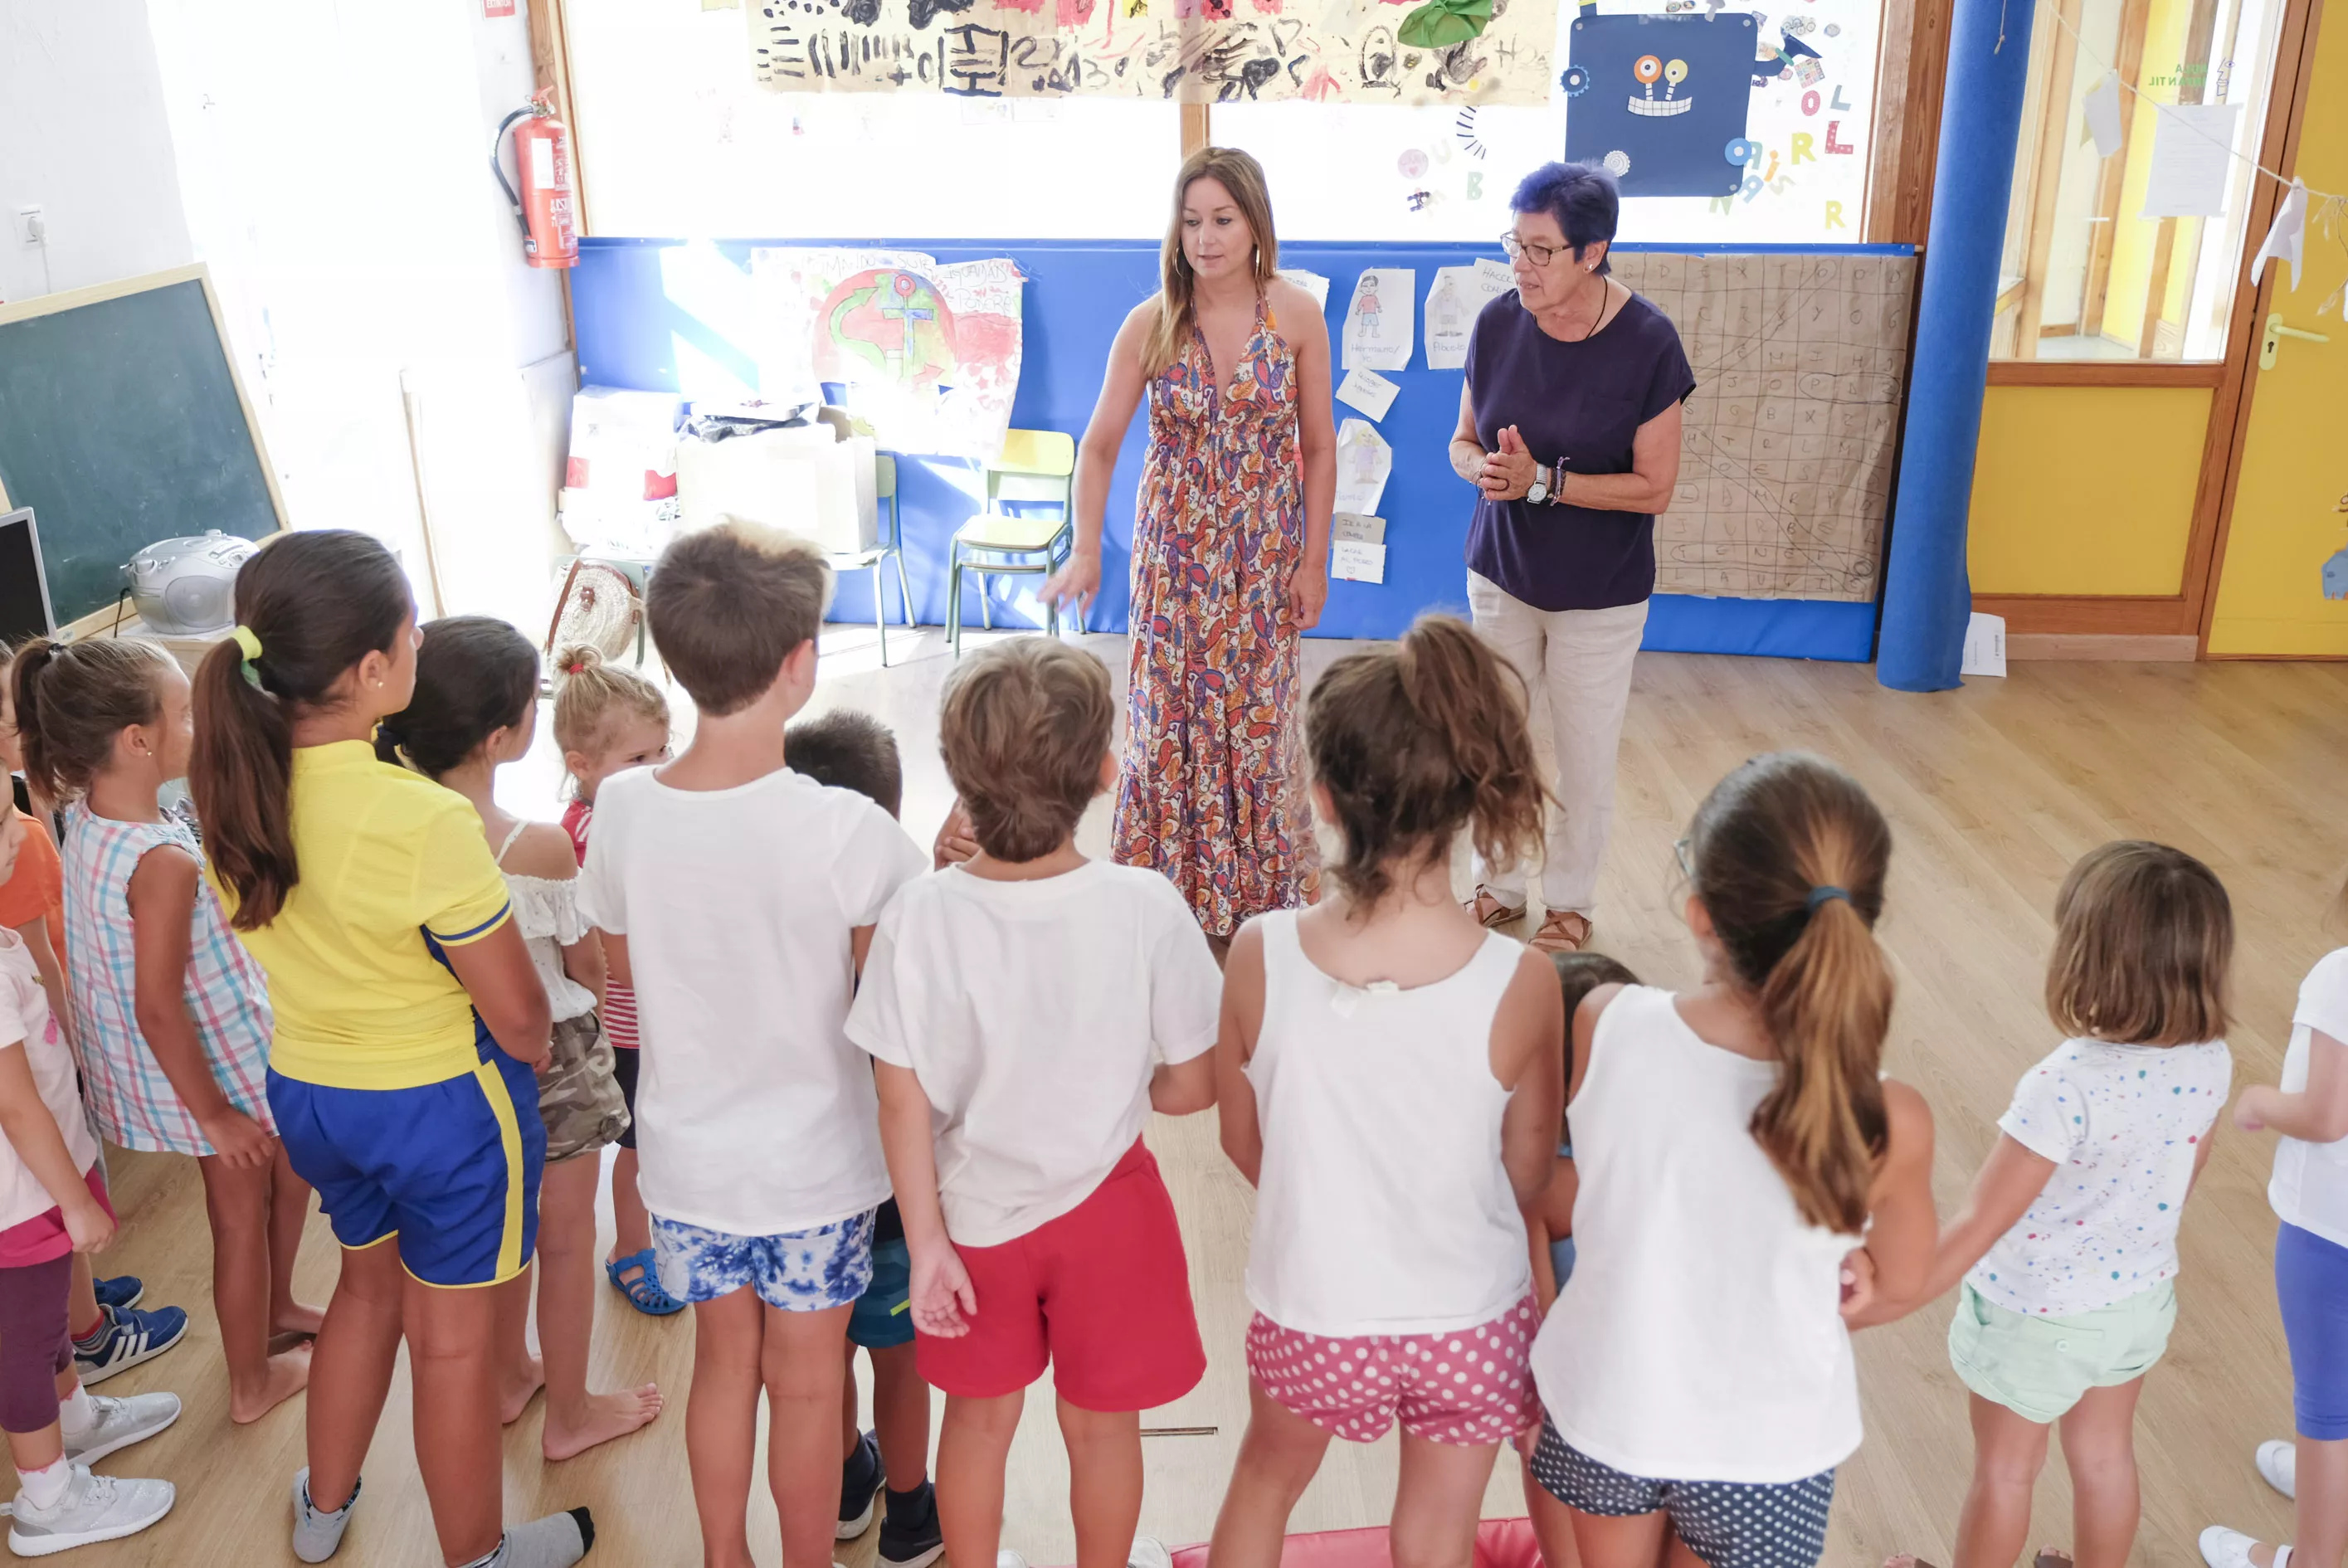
<point x="2144" y="938"/>
<point x="1581" y="197"/>
<point x="728" y="603"/>
<point x="1024" y="726"/>
<point x="848" y="750"/>
<point x="475" y="675"/>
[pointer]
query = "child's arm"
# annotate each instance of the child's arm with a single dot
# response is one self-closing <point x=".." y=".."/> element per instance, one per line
<point x="941" y="1293"/>
<point x="2316" y="1114"/>
<point x="582" y="961"/>
<point x="507" y="993"/>
<point x="1184" y="1088"/>
<point x="2009" y="1181"/>
<point x="35" y="932"/>
<point x="1242" y="1016"/>
<point x="1526" y="1033"/>
<point x="32" y="1132"/>
<point x="162" y="895"/>
<point x="617" y="970"/>
<point x="1906" y="1247"/>
<point x="1544" y="1267"/>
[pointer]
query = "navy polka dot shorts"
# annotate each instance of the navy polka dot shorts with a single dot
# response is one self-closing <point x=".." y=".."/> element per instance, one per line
<point x="1729" y="1524"/>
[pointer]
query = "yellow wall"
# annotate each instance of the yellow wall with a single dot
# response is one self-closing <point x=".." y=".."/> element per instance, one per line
<point x="2085" y="490"/>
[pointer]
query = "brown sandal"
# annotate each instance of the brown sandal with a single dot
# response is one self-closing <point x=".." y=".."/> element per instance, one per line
<point x="1562" y="930"/>
<point x="1501" y="912"/>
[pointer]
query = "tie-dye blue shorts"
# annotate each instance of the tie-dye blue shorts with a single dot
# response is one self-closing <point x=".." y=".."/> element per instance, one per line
<point x="802" y="1271"/>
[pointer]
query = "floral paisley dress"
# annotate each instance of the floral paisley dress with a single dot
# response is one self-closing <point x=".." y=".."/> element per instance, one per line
<point x="1207" y="793"/>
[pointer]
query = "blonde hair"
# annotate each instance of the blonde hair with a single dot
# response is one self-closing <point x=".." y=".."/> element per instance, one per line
<point x="1242" y="176"/>
<point x="2144" y="938"/>
<point x="1788" y="857"/>
<point x="591" y="696"/>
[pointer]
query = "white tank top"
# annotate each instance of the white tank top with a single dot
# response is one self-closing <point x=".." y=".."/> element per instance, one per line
<point x="1701" y="1336"/>
<point x="1382" y="1206"/>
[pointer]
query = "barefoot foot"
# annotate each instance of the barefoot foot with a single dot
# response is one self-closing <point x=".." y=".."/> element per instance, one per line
<point x="288" y="1375"/>
<point x="519" y="1385"/>
<point x="607" y="1416"/>
<point x="297" y="1319"/>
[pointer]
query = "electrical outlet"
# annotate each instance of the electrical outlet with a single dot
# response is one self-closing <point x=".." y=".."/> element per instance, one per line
<point x="32" y="226"/>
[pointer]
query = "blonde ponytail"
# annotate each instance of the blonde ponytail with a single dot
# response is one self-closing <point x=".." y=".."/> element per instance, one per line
<point x="1788" y="858"/>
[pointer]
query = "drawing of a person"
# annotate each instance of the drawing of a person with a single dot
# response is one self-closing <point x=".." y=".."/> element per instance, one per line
<point x="1366" y="306"/>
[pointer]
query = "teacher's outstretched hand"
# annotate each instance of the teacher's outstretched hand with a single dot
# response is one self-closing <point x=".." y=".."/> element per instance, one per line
<point x="1073" y="587"/>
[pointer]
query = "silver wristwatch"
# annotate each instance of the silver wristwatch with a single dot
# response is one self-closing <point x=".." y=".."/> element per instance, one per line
<point x="1547" y="485"/>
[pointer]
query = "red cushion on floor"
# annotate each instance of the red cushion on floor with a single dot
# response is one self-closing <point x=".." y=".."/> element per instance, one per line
<point x="1499" y="1543"/>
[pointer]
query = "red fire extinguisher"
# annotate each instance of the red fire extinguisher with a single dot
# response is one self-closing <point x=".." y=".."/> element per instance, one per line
<point x="544" y="207"/>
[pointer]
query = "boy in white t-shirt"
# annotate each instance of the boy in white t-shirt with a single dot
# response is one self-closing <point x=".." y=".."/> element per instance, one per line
<point x="736" y="897"/>
<point x="1026" y="1010"/>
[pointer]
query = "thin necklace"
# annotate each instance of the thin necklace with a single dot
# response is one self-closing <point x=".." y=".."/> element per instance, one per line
<point x="1604" y="302"/>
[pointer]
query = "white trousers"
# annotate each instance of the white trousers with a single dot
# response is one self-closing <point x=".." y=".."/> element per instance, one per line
<point x="1576" y="665"/>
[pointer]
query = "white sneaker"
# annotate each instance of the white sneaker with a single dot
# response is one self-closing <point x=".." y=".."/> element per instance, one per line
<point x="1006" y="1558"/>
<point x="1148" y="1552"/>
<point x="94" y="1507"/>
<point x="120" y="1423"/>
<point x="2279" y="1463"/>
<point x="2224" y="1548"/>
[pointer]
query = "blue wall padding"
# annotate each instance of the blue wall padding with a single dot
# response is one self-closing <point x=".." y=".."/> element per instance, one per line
<point x="670" y="316"/>
<point x="1926" y="594"/>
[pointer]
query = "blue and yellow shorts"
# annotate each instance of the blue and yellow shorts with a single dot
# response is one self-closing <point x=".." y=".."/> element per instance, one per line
<point x="450" y="1169"/>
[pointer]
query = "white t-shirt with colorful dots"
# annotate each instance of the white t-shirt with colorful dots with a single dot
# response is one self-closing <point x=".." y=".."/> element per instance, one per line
<point x="2123" y="1125"/>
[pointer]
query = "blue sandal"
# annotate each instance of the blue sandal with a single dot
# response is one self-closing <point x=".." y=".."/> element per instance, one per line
<point x="643" y="1292"/>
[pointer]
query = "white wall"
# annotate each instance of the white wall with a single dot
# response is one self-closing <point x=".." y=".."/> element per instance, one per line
<point x="83" y="135"/>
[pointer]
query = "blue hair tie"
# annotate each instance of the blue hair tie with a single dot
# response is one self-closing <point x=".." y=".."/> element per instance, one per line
<point x="1819" y="895"/>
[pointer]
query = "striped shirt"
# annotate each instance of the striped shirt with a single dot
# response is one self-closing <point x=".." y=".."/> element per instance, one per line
<point x="224" y="990"/>
<point x="619" y="1011"/>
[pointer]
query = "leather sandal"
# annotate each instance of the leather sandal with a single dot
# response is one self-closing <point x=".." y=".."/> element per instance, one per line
<point x="1561" y="931"/>
<point x="1491" y="911"/>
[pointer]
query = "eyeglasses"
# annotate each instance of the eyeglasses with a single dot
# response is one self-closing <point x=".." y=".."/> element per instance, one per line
<point x="1687" y="866"/>
<point x="1540" y="256"/>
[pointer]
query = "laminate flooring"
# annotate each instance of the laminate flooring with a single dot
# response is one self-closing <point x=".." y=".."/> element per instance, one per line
<point x="1994" y="791"/>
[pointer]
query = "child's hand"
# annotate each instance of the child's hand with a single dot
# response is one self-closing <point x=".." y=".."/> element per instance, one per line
<point x="941" y="1293"/>
<point x="956" y="841"/>
<point x="2250" y="1110"/>
<point x="237" y="1140"/>
<point x="87" y="1225"/>
<point x="1858" y="1282"/>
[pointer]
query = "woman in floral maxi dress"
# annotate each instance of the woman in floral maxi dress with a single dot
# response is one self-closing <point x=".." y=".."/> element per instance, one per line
<point x="1230" y="551"/>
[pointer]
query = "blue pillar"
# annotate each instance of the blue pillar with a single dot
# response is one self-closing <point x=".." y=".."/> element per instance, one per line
<point x="1927" y="595"/>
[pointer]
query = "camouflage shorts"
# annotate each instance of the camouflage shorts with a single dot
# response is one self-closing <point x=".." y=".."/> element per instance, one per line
<point x="578" y="1098"/>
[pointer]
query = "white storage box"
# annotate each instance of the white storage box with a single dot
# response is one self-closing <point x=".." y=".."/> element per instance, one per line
<point x="805" y="479"/>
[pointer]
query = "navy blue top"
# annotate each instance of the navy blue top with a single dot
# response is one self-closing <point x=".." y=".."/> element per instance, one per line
<point x="1581" y="402"/>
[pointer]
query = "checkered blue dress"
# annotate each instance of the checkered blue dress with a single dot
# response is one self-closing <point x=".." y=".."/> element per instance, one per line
<point x="227" y="994"/>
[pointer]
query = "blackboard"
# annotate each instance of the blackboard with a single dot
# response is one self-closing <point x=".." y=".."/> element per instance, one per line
<point x="121" y="424"/>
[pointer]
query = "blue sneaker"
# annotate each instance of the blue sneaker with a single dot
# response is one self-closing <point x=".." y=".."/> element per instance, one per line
<point x="127" y="1337"/>
<point x="122" y="1290"/>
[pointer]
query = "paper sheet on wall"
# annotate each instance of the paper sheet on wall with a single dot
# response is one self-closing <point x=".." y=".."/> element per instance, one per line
<point x="1352" y="527"/>
<point x="1458" y="295"/>
<point x="1353" y="562"/>
<point x="1367" y="390"/>
<point x="1310" y="282"/>
<point x="2101" y="110"/>
<point x="1378" y="319"/>
<point x="2286" y="237"/>
<point x="2192" y="160"/>
<point x="929" y="354"/>
<point x="1364" y="461"/>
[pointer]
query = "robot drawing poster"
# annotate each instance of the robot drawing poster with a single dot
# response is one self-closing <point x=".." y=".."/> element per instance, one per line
<point x="1661" y="101"/>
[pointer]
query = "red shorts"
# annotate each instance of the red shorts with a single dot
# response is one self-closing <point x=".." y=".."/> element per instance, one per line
<point x="1470" y="1386"/>
<point x="43" y="1238"/>
<point x="1102" y="1294"/>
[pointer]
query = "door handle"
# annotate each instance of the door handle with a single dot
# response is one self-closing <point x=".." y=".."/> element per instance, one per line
<point x="2276" y="333"/>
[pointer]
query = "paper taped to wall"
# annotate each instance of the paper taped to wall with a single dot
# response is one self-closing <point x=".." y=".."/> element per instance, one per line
<point x="1367" y="390"/>
<point x="1378" y="319"/>
<point x="1364" y="461"/>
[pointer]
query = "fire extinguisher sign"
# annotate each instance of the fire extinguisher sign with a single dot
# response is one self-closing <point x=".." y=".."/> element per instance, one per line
<point x="497" y="7"/>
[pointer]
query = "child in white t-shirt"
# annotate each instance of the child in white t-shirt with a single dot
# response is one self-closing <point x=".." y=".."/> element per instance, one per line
<point x="1027" y="1010"/>
<point x="2067" y="1246"/>
<point x="736" y="897"/>
<point x="2309" y="1195"/>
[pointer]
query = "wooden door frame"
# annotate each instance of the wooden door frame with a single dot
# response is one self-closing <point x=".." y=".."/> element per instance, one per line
<point x="2186" y="613"/>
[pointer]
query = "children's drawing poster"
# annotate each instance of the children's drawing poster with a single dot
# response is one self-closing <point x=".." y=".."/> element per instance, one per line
<point x="1363" y="462"/>
<point x="1378" y="317"/>
<point x="927" y="354"/>
<point x="1191" y="51"/>
<point x="1458" y="295"/>
<point x="1661" y="101"/>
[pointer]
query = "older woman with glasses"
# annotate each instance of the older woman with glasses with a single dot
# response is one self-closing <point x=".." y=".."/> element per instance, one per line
<point x="1570" y="432"/>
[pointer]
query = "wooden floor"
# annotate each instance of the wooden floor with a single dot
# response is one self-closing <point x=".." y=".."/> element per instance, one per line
<point x="1994" y="791"/>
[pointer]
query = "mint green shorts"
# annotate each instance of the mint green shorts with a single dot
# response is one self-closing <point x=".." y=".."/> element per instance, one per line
<point x="2039" y="1368"/>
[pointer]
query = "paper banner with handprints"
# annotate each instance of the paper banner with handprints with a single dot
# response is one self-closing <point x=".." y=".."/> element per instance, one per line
<point x="927" y="354"/>
<point x="1192" y="51"/>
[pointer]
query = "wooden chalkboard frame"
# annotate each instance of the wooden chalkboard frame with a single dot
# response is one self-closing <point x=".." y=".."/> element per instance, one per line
<point x="98" y="293"/>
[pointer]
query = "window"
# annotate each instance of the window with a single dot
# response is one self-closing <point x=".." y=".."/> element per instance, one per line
<point x="676" y="141"/>
<point x="2087" y="276"/>
<point x="1445" y="173"/>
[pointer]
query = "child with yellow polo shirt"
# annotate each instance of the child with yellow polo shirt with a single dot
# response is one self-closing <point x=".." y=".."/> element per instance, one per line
<point x="409" y="1017"/>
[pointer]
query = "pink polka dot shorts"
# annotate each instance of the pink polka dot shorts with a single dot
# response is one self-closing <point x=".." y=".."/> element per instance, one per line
<point x="1470" y="1387"/>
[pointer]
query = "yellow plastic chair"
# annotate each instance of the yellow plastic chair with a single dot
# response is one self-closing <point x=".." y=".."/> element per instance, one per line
<point x="1037" y="474"/>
